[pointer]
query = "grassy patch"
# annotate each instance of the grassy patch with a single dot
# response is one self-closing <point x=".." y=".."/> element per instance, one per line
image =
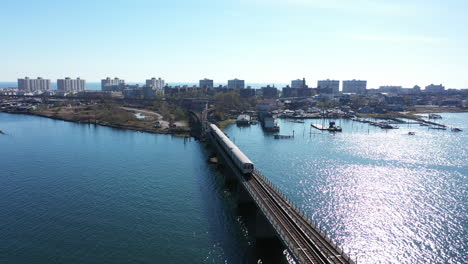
<point x="225" y="123"/>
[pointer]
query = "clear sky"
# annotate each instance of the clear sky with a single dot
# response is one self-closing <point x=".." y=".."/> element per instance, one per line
<point x="393" y="42"/>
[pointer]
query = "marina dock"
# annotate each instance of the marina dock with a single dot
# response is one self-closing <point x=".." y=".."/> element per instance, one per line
<point x="319" y="127"/>
<point x="283" y="136"/>
<point x="331" y="128"/>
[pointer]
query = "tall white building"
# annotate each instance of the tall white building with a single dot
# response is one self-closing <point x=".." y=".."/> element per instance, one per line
<point x="236" y="84"/>
<point x="355" y="86"/>
<point x="206" y="83"/>
<point x="298" y="84"/>
<point x="33" y="85"/>
<point x="334" y="85"/>
<point x="115" y="84"/>
<point x="71" y="85"/>
<point x="156" y="84"/>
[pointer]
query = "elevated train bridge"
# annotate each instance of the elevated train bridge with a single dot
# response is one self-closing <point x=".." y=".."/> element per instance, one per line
<point x="305" y="242"/>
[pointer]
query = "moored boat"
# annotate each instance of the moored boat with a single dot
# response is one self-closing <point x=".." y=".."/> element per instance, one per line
<point x="243" y="120"/>
<point x="434" y="116"/>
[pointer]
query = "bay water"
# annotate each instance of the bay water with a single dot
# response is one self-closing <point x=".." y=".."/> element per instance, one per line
<point x="73" y="193"/>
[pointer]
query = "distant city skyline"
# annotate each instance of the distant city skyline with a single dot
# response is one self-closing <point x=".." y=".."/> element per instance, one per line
<point x="337" y="85"/>
<point x="401" y="43"/>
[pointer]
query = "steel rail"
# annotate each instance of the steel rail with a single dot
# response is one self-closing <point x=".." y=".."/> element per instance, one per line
<point x="295" y="234"/>
<point x="324" y="243"/>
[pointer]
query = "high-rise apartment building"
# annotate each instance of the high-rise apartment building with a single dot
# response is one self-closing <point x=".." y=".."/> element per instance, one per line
<point x="246" y="93"/>
<point x="298" y="84"/>
<point x="328" y="84"/>
<point x="156" y="84"/>
<point x="269" y="92"/>
<point x="236" y="84"/>
<point x="206" y="83"/>
<point x="33" y="85"/>
<point x="115" y="84"/>
<point x="71" y="85"/>
<point x="355" y="86"/>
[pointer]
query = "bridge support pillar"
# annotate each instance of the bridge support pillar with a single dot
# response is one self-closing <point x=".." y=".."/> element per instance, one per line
<point x="263" y="228"/>
<point x="269" y="247"/>
<point x="243" y="197"/>
<point x="230" y="178"/>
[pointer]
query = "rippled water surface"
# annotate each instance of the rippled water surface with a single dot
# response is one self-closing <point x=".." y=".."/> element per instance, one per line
<point x="383" y="195"/>
<point x="72" y="193"/>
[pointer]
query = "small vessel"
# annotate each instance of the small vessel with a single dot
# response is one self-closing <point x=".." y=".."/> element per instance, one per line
<point x="334" y="128"/>
<point x="456" y="129"/>
<point x="386" y="125"/>
<point x="243" y="120"/>
<point x="331" y="127"/>
<point x="411" y="133"/>
<point x="434" y="116"/>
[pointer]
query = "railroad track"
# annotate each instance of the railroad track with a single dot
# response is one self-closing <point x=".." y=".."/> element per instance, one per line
<point x="307" y="239"/>
<point x="331" y="253"/>
<point x="300" y="236"/>
<point x="308" y="254"/>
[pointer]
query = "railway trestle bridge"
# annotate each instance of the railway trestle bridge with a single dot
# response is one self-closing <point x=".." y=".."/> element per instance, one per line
<point x="278" y="218"/>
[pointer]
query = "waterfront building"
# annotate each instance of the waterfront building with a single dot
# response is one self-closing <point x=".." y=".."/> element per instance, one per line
<point x="435" y="88"/>
<point x="355" y="86"/>
<point x="236" y="84"/>
<point x="156" y="84"/>
<point x="115" y="84"/>
<point x="69" y="85"/>
<point x="206" y="84"/>
<point x="297" y="84"/>
<point x="333" y="85"/>
<point x="246" y="93"/>
<point x="269" y="92"/>
<point x="33" y="85"/>
<point x="268" y="122"/>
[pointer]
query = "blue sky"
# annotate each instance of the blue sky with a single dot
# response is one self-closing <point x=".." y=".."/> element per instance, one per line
<point x="399" y="42"/>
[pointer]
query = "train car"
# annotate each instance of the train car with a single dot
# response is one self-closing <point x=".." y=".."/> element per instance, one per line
<point x="238" y="157"/>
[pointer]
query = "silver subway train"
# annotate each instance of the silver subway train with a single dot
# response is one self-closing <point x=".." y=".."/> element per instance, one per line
<point x="239" y="159"/>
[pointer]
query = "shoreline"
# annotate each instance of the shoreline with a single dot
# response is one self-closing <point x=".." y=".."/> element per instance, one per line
<point x="101" y="123"/>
